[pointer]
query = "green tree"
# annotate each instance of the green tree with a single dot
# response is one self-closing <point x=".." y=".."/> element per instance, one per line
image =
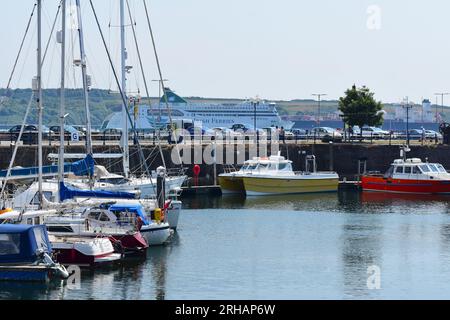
<point x="360" y="108"/>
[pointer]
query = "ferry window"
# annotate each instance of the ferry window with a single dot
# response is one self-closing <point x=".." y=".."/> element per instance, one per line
<point x="399" y="170"/>
<point x="408" y="170"/>
<point x="433" y="168"/>
<point x="416" y="170"/>
<point x="9" y="244"/>
<point x="37" y="221"/>
<point x="424" y="168"/>
<point x="30" y="221"/>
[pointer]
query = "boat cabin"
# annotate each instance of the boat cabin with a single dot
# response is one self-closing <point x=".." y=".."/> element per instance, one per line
<point x="416" y="169"/>
<point x="272" y="165"/>
<point x="22" y="244"/>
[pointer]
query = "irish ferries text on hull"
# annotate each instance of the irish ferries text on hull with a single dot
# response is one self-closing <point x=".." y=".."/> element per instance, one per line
<point x="206" y="115"/>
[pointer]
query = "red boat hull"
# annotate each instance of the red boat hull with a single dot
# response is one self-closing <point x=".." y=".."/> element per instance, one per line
<point x="131" y="244"/>
<point x="379" y="183"/>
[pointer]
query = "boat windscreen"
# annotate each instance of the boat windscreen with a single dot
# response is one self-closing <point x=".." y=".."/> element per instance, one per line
<point x="9" y="244"/>
<point x="389" y="173"/>
<point x="424" y="168"/>
<point x="263" y="166"/>
<point x="42" y="240"/>
<point x="441" y="168"/>
<point x="433" y="168"/>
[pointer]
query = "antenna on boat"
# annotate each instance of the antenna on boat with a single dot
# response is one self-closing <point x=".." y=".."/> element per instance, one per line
<point x="404" y="151"/>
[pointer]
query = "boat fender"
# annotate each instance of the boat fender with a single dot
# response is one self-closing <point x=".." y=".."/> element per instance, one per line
<point x="118" y="247"/>
<point x="61" y="271"/>
<point x="167" y="205"/>
<point x="139" y="223"/>
<point x="158" y="215"/>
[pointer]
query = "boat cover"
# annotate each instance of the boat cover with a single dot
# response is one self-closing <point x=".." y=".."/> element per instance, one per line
<point x="131" y="208"/>
<point x="80" y="168"/>
<point x="20" y="243"/>
<point x="66" y="193"/>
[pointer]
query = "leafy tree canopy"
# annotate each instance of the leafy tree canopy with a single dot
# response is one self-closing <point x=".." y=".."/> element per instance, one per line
<point x="360" y="108"/>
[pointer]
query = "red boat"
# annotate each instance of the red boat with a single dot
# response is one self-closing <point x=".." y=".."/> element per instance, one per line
<point x="410" y="176"/>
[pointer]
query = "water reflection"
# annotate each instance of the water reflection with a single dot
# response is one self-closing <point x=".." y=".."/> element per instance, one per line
<point x="361" y="248"/>
<point x="158" y="262"/>
<point x="348" y="201"/>
<point x="31" y="291"/>
<point x="318" y="246"/>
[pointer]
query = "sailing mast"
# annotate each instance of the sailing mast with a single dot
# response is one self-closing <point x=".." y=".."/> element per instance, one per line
<point x="86" y="85"/>
<point x="62" y="39"/>
<point x="39" y="101"/>
<point x="124" y="56"/>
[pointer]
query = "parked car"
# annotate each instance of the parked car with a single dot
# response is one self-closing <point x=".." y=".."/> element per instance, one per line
<point x="30" y="133"/>
<point x="326" y="134"/>
<point x="431" y="134"/>
<point x="68" y="131"/>
<point x="82" y="129"/>
<point x="299" y="133"/>
<point x="371" y="132"/>
<point x="419" y="134"/>
<point x="112" y="134"/>
<point x="416" y="134"/>
<point x="240" y="127"/>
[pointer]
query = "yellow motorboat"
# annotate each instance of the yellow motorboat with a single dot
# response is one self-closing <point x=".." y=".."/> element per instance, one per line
<point x="276" y="177"/>
<point x="232" y="183"/>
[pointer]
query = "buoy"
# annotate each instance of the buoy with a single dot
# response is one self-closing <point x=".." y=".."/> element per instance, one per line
<point x="197" y="171"/>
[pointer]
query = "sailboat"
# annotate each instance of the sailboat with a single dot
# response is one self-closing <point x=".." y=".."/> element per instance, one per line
<point x="106" y="181"/>
<point x="83" y="251"/>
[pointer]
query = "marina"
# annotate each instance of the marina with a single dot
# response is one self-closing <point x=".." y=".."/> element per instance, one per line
<point x="406" y="237"/>
<point x="147" y="153"/>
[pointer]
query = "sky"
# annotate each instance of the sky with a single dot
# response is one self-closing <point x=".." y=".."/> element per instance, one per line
<point x="277" y="50"/>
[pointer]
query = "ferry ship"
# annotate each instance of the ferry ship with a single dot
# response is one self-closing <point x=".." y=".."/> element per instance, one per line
<point x="205" y="115"/>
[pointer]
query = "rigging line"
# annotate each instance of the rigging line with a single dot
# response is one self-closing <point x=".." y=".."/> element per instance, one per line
<point x="51" y="32"/>
<point x="16" y="147"/>
<point x="145" y="80"/>
<point x="162" y="82"/>
<point x="122" y="94"/>
<point x="20" y="49"/>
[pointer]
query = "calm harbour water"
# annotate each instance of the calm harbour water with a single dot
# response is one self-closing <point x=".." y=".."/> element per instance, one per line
<point x="289" y="247"/>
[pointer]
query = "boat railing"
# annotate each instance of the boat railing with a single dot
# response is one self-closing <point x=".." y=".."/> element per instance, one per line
<point x="229" y="168"/>
<point x="308" y="173"/>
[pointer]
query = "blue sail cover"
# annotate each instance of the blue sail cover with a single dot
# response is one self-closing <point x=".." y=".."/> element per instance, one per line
<point x="80" y="168"/>
<point x="131" y="208"/>
<point x="66" y="193"/>
<point x="20" y="243"/>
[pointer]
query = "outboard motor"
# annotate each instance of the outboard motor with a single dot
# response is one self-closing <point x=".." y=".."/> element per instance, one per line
<point x="444" y="129"/>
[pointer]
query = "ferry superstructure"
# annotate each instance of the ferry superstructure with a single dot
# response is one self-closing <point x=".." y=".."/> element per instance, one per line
<point x="205" y="114"/>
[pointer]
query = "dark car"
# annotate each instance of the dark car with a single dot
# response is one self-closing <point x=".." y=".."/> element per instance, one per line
<point x="299" y="133"/>
<point x="30" y="133"/>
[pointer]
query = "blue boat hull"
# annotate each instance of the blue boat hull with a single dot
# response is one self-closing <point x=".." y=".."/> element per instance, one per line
<point x="26" y="273"/>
